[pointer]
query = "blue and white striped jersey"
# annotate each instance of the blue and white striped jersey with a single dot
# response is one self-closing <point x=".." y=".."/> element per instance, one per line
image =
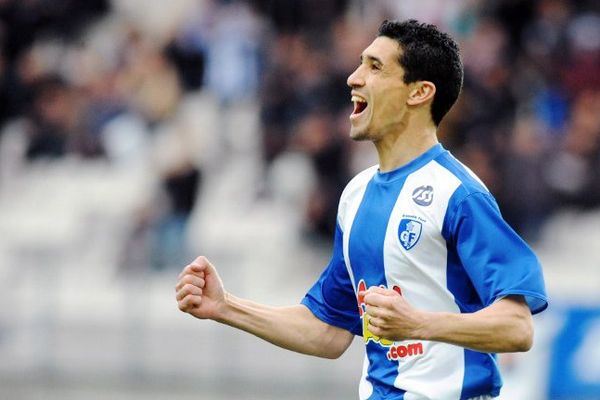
<point x="432" y="230"/>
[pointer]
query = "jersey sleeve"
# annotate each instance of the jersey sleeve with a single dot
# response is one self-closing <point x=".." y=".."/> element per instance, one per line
<point x="332" y="298"/>
<point x="496" y="259"/>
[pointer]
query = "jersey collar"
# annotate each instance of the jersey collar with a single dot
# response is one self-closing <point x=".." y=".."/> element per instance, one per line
<point x="406" y="169"/>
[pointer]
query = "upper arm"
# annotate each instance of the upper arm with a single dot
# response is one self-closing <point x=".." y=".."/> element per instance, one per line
<point x="513" y="314"/>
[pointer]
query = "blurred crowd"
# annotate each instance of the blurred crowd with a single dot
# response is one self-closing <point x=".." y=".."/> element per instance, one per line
<point x="91" y="80"/>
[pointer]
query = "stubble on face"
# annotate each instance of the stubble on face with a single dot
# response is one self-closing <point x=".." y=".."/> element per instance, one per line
<point x="361" y="133"/>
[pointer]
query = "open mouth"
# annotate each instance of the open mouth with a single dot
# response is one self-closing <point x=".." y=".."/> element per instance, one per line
<point x="360" y="105"/>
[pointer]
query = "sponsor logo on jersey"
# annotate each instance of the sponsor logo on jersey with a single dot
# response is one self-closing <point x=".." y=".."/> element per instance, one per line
<point x="396" y="351"/>
<point x="400" y="351"/>
<point x="362" y="311"/>
<point x="423" y="195"/>
<point x="409" y="232"/>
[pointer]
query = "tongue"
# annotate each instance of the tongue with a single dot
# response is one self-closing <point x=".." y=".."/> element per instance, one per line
<point x="359" y="107"/>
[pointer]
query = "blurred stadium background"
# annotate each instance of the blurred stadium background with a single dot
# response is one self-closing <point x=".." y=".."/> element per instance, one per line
<point x="136" y="134"/>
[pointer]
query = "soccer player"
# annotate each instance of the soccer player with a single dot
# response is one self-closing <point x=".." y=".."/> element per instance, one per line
<point x="424" y="268"/>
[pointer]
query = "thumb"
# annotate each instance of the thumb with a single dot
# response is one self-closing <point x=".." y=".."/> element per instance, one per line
<point x="201" y="264"/>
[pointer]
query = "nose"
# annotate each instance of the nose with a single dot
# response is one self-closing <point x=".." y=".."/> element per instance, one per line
<point x="355" y="79"/>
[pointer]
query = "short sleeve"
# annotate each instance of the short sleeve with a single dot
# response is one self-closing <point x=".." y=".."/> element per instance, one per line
<point x="496" y="259"/>
<point x="332" y="298"/>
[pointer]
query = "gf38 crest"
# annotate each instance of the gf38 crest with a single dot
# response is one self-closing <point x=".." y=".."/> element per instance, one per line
<point x="409" y="232"/>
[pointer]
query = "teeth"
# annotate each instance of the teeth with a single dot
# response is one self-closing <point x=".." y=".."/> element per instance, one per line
<point x="358" y="99"/>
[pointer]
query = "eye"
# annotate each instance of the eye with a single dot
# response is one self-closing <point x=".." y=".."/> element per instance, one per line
<point x="376" y="66"/>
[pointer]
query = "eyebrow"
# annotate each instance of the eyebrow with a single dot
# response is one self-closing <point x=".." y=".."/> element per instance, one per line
<point x="370" y="58"/>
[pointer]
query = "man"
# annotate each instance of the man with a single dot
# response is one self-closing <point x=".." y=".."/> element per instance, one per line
<point x="424" y="268"/>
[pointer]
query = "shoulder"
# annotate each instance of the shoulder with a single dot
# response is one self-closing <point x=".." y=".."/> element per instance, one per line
<point x="469" y="198"/>
<point x="465" y="182"/>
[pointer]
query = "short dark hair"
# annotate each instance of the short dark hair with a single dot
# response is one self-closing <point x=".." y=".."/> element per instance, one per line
<point x="428" y="55"/>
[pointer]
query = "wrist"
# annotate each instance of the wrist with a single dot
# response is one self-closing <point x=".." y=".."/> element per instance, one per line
<point x="425" y="325"/>
<point x="224" y="308"/>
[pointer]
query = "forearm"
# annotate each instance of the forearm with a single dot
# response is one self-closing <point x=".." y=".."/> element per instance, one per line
<point x="294" y="328"/>
<point x="505" y="326"/>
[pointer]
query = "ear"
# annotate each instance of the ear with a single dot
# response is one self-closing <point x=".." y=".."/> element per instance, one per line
<point x="421" y="92"/>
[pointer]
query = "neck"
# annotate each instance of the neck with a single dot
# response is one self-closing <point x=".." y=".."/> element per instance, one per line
<point x="399" y="148"/>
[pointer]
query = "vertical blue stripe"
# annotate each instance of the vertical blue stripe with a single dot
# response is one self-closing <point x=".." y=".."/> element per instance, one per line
<point x="482" y="376"/>
<point x="365" y="251"/>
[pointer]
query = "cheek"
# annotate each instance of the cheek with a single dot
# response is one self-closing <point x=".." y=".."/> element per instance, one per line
<point x="392" y="104"/>
<point x="394" y="95"/>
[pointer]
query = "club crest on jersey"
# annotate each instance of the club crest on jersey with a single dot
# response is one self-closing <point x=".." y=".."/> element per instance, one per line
<point x="423" y="195"/>
<point x="409" y="232"/>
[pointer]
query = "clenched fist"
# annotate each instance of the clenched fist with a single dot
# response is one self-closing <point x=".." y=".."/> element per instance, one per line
<point x="200" y="290"/>
<point x="390" y="315"/>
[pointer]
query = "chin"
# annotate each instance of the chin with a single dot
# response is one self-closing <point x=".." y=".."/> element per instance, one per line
<point x="359" y="134"/>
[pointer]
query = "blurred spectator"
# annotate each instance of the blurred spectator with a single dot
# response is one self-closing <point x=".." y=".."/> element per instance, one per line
<point x="233" y="51"/>
<point x="573" y="170"/>
<point x="55" y="127"/>
<point x="168" y="243"/>
<point x="158" y="237"/>
<point x="316" y="135"/>
<point x="524" y="195"/>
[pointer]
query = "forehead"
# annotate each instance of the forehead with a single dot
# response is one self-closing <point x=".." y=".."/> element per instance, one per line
<point x="383" y="48"/>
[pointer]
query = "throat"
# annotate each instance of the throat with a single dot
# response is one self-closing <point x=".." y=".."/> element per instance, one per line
<point x="394" y="153"/>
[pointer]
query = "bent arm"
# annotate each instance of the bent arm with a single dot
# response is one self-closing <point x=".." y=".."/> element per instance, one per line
<point x="294" y="328"/>
<point x="200" y="292"/>
<point x="505" y="326"/>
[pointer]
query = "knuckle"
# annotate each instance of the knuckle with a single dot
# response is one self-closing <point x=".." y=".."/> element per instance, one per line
<point x="374" y="329"/>
<point x="189" y="288"/>
<point x="195" y="302"/>
<point x="201" y="260"/>
<point x="181" y="294"/>
<point x="196" y="281"/>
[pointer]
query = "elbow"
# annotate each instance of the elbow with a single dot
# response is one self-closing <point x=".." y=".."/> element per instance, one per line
<point x="523" y="335"/>
<point x="523" y="344"/>
<point x="333" y="355"/>
<point x="338" y="343"/>
<point x="334" y="352"/>
<point x="328" y="353"/>
<point x="526" y="343"/>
